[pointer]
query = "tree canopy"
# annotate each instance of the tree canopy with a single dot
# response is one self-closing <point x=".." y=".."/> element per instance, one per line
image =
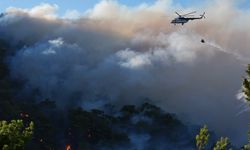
<point x="14" y="134"/>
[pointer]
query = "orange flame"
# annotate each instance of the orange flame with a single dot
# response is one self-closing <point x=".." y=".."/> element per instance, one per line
<point x="68" y="147"/>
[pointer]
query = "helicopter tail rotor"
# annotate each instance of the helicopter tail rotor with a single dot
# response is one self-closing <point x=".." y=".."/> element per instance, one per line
<point x="203" y="15"/>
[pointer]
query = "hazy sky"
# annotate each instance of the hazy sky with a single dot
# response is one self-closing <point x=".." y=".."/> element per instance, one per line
<point x="82" y="5"/>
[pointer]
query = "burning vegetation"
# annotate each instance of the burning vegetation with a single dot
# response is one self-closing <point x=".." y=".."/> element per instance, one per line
<point x="77" y="128"/>
<point x="94" y="129"/>
<point x="55" y="75"/>
<point x="143" y="126"/>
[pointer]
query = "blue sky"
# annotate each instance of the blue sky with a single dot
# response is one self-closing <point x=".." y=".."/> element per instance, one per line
<point x="82" y="5"/>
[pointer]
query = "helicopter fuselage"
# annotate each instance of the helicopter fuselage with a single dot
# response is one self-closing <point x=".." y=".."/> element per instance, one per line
<point x="180" y="20"/>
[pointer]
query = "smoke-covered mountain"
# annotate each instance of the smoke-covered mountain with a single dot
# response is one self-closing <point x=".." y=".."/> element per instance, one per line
<point x="115" y="54"/>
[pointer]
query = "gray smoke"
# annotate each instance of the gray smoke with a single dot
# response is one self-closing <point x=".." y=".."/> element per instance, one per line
<point x="117" y="54"/>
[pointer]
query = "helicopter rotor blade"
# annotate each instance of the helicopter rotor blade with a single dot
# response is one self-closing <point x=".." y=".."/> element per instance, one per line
<point x="189" y="13"/>
<point x="178" y="14"/>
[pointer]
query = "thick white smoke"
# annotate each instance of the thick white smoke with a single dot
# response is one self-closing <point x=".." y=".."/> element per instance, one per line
<point x="117" y="54"/>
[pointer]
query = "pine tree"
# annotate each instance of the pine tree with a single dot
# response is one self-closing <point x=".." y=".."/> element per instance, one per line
<point x="246" y="84"/>
<point x="222" y="144"/>
<point x="14" y="135"/>
<point x="246" y="91"/>
<point x="202" y="138"/>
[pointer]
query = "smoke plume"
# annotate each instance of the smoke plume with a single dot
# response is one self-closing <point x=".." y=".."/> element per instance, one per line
<point x="117" y="54"/>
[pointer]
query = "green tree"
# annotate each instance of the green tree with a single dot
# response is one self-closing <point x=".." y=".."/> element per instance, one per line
<point x="202" y="138"/>
<point x="246" y="84"/>
<point x="246" y="147"/>
<point x="222" y="144"/>
<point x="246" y="91"/>
<point x="14" y="135"/>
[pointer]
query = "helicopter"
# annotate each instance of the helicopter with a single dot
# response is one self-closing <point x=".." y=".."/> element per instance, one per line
<point x="182" y="19"/>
